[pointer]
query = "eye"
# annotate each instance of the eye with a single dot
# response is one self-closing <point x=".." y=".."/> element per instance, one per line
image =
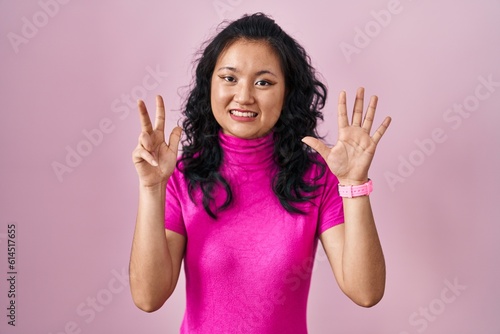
<point x="227" y="78"/>
<point x="263" y="83"/>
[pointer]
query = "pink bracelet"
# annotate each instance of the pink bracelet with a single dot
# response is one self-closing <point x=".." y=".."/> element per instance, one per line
<point x="355" y="191"/>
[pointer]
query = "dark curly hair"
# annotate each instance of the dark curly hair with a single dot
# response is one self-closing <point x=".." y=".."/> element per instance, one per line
<point x="305" y="96"/>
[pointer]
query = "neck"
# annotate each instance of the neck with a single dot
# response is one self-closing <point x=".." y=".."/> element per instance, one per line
<point x="247" y="153"/>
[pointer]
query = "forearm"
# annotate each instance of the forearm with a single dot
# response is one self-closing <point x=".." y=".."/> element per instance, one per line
<point x="363" y="265"/>
<point x="151" y="268"/>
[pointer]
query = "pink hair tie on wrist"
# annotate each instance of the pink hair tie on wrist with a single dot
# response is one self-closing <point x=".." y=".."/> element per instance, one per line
<point x="355" y="191"/>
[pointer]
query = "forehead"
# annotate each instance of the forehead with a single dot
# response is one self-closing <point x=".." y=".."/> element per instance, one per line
<point x="246" y="54"/>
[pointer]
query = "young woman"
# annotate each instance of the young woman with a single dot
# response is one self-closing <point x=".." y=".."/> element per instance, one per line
<point x="247" y="201"/>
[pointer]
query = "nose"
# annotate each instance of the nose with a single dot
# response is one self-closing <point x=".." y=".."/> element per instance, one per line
<point x="244" y="94"/>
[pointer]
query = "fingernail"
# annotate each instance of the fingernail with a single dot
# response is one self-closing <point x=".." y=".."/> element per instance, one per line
<point x="154" y="163"/>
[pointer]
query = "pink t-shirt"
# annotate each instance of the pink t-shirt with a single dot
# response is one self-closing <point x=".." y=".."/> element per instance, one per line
<point x="249" y="271"/>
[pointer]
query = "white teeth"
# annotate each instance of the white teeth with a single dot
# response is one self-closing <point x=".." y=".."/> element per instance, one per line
<point x="243" y="114"/>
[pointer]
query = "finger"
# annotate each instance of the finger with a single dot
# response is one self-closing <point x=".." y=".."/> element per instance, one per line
<point x="144" y="117"/>
<point x="174" y="139"/>
<point x="370" y="114"/>
<point x="146" y="141"/>
<point x="140" y="154"/>
<point x="317" y="145"/>
<point x="160" y="114"/>
<point x="342" y="111"/>
<point x="381" y="130"/>
<point x="357" y="113"/>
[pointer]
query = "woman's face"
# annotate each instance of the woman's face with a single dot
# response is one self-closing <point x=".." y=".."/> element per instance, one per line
<point x="248" y="89"/>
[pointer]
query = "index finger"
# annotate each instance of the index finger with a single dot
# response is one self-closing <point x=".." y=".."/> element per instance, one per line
<point x="342" y="110"/>
<point x="144" y="117"/>
<point x="160" y="114"/>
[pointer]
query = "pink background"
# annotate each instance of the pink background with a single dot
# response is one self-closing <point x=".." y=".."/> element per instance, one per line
<point x="65" y="67"/>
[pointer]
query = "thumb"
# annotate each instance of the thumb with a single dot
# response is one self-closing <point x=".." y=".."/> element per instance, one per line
<point x="317" y="145"/>
<point x="174" y="138"/>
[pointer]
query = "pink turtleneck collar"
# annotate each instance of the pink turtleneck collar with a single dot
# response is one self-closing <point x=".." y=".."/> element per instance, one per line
<point x="253" y="153"/>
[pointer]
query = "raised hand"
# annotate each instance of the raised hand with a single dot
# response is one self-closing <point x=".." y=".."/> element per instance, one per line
<point x="351" y="157"/>
<point x="153" y="158"/>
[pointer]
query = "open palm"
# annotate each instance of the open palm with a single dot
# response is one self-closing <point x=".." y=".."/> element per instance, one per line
<point x="351" y="157"/>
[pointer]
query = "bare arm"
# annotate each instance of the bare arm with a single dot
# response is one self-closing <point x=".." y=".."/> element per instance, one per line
<point x="353" y="248"/>
<point x="355" y="253"/>
<point x="156" y="255"/>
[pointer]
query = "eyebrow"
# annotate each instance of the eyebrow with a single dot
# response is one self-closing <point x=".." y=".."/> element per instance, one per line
<point x="230" y="68"/>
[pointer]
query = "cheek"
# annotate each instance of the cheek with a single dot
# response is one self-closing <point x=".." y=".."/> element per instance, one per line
<point x="275" y="103"/>
<point x="218" y="95"/>
<point x="213" y="90"/>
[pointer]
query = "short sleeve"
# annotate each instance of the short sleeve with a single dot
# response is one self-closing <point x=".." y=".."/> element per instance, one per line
<point x="331" y="207"/>
<point x="173" y="209"/>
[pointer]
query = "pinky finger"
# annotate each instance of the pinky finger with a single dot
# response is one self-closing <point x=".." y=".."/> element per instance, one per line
<point x="381" y="130"/>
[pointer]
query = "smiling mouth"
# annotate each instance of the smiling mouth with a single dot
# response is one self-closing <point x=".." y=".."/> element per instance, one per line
<point x="249" y="114"/>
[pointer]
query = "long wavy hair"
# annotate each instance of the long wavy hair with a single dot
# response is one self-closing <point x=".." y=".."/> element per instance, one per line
<point x="305" y="96"/>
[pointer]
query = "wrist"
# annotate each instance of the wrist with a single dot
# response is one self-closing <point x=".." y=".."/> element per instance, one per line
<point x="352" y="182"/>
<point x="154" y="188"/>
<point x="353" y="190"/>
